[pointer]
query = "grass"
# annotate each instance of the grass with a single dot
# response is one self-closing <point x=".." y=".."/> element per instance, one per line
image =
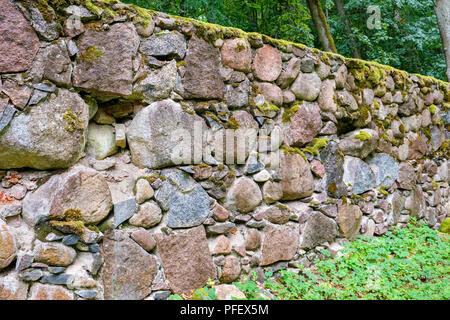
<point x="411" y="263"/>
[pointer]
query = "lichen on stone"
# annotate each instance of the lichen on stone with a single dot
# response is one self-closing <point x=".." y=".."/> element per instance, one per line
<point x="91" y="54"/>
<point x="73" y="122"/>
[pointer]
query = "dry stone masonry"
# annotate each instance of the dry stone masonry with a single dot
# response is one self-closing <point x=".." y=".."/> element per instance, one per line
<point x="143" y="154"/>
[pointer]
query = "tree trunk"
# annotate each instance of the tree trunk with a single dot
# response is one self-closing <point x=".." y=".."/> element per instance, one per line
<point x="321" y="25"/>
<point x="341" y="12"/>
<point x="442" y="10"/>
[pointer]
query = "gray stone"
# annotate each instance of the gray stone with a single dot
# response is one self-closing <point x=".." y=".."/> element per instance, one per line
<point x="358" y="175"/>
<point x="44" y="86"/>
<point x="165" y="44"/>
<point x="158" y="83"/>
<point x="237" y="97"/>
<point x="162" y="135"/>
<point x="307" y="65"/>
<point x="307" y="86"/>
<point x="81" y="189"/>
<point x="244" y="195"/>
<point x="87" y="294"/>
<point x="31" y="275"/>
<point x="101" y="141"/>
<point x="64" y="279"/>
<point x="220" y="228"/>
<point x="57" y="66"/>
<point x="56" y="270"/>
<point x="71" y="240"/>
<point x="385" y="169"/>
<point x="123" y="211"/>
<point x="47" y="27"/>
<point x="359" y="143"/>
<point x="185" y="200"/>
<point x="37" y="97"/>
<point x="253" y="165"/>
<point x="318" y="229"/>
<point x="94" y="248"/>
<point x="23" y="261"/>
<point x="57" y="142"/>
<point x="7" y="211"/>
<point x="6" y="117"/>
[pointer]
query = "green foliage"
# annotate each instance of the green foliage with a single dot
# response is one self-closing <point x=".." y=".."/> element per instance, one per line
<point x="409" y="38"/>
<point x="286" y="19"/>
<point x="206" y="293"/>
<point x="408" y="263"/>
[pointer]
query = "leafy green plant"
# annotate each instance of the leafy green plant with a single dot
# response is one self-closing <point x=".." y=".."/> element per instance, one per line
<point x="408" y="263"/>
<point x="206" y="293"/>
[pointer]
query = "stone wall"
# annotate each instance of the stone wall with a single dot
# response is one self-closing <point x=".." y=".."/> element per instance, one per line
<point x="142" y="154"/>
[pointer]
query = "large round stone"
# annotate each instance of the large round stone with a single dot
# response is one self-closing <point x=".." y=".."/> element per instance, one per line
<point x="81" y="188"/>
<point x="244" y="195"/>
<point x="52" y="135"/>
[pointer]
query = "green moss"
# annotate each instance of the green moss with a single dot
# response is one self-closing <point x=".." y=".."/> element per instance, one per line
<point x="435" y="184"/>
<point x="290" y="150"/>
<point x="232" y="124"/>
<point x="363" y="136"/>
<point x="93" y="228"/>
<point x="43" y="229"/>
<point x="316" y="145"/>
<point x="181" y="63"/>
<point x="187" y="108"/>
<point x="326" y="58"/>
<point x="383" y="191"/>
<point x="73" y="122"/>
<point x="75" y="227"/>
<point x="91" y="54"/>
<point x="445" y="226"/>
<point x="363" y="116"/>
<point x="72" y="215"/>
<point x="289" y="112"/>
<point x="432" y="109"/>
<point x="332" y="188"/>
<point x="268" y="107"/>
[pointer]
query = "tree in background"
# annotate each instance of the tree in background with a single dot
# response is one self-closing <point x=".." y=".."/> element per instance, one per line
<point x="320" y="22"/>
<point x="442" y="10"/>
<point x="408" y="37"/>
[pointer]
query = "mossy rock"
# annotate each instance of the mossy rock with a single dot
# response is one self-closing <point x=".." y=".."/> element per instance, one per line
<point x="445" y="226"/>
<point x="363" y="136"/>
